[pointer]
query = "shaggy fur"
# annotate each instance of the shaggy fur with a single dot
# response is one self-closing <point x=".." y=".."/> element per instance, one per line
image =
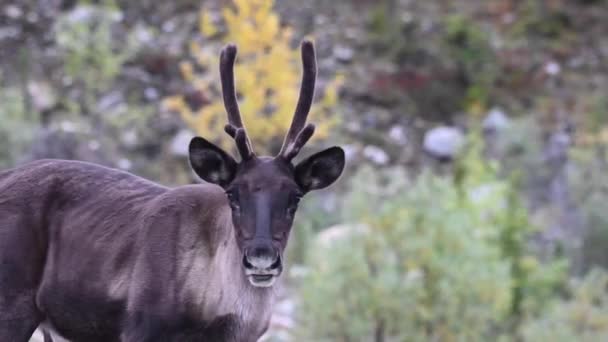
<point x="99" y="253"/>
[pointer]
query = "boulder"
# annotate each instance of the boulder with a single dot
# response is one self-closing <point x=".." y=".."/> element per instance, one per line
<point x="495" y="121"/>
<point x="443" y="142"/>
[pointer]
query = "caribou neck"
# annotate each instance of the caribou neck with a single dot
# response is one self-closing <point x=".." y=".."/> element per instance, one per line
<point x="231" y="293"/>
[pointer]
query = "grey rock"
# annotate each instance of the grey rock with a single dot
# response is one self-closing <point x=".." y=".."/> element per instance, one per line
<point x="94" y="145"/>
<point x="331" y="236"/>
<point x="350" y="151"/>
<point x="343" y="54"/>
<point x="111" y="100"/>
<point x="553" y="68"/>
<point x="179" y="144"/>
<point x="397" y="134"/>
<point x="129" y="138"/>
<point x="87" y="13"/>
<point x="151" y="94"/>
<point x="353" y="126"/>
<point x="496" y="120"/>
<point x="375" y="154"/>
<point x="124" y="164"/>
<point x="143" y="34"/>
<point x="13" y="12"/>
<point x="443" y="141"/>
<point x="42" y="95"/>
<point x="9" y="33"/>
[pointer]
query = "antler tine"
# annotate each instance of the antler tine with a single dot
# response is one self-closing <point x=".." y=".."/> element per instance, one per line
<point x="307" y="91"/>
<point x="227" y="58"/>
<point x="301" y="139"/>
<point x="230" y="130"/>
<point x="240" y="137"/>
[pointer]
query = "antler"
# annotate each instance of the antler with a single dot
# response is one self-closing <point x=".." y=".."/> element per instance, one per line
<point x="235" y="127"/>
<point x="298" y="135"/>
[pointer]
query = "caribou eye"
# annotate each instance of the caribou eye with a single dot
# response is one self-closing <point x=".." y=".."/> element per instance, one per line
<point x="291" y="210"/>
<point x="293" y="205"/>
<point x="278" y="236"/>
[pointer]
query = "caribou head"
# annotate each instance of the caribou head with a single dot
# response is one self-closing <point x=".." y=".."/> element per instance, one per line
<point x="263" y="192"/>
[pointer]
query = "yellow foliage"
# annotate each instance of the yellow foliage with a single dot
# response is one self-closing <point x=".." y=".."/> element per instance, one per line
<point x="589" y="138"/>
<point x="205" y="26"/>
<point x="267" y="73"/>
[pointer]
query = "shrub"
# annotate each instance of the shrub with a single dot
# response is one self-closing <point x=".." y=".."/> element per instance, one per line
<point x="588" y="182"/>
<point x="435" y="258"/>
<point x="91" y="55"/>
<point x="468" y="45"/>
<point x="583" y="317"/>
<point x="16" y="130"/>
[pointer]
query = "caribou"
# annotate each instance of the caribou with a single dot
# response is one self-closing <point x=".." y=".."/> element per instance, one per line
<point x="99" y="254"/>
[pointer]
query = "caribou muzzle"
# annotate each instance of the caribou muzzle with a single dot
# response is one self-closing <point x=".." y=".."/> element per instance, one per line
<point x="262" y="264"/>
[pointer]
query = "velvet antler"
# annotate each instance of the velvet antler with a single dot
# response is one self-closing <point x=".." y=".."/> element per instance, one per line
<point x="298" y="133"/>
<point x="235" y="127"/>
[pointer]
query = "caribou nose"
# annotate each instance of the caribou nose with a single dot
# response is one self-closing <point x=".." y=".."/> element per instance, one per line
<point x="262" y="258"/>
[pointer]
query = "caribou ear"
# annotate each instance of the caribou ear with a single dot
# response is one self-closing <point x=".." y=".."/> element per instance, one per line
<point x="321" y="169"/>
<point x="211" y="163"/>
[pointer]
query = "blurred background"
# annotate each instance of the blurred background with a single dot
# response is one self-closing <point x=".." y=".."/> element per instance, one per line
<point x="473" y="207"/>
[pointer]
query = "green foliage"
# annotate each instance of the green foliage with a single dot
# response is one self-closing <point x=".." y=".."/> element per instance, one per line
<point x="594" y="128"/>
<point x="583" y="317"/>
<point x="16" y="130"/>
<point x="467" y="44"/>
<point x="538" y="20"/>
<point x="93" y="60"/>
<point x="96" y="99"/>
<point x="589" y="184"/>
<point x="385" y="30"/>
<point x="548" y="26"/>
<point x="532" y="286"/>
<point x="312" y="217"/>
<point x="90" y="53"/>
<point x="442" y="259"/>
<point x="594" y="252"/>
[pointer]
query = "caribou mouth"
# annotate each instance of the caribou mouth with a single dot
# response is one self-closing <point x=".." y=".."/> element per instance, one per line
<point x="262" y="277"/>
<point x="262" y="280"/>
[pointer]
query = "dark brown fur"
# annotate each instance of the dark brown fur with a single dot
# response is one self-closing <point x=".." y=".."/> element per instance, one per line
<point x="74" y="225"/>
